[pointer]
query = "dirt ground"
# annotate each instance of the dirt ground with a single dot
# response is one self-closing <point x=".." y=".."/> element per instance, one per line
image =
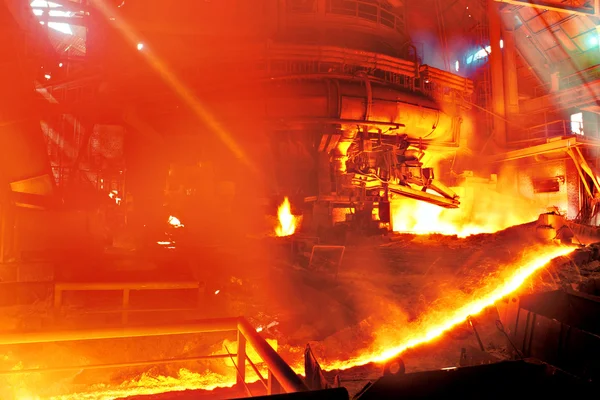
<point x="382" y="289"/>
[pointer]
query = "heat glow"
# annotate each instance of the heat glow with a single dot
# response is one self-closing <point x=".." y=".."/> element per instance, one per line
<point x="482" y="210"/>
<point x="287" y="221"/>
<point x="433" y="326"/>
<point x="429" y="328"/>
<point x="175" y="222"/>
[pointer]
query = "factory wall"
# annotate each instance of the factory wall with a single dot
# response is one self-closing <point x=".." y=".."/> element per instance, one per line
<point x="545" y="184"/>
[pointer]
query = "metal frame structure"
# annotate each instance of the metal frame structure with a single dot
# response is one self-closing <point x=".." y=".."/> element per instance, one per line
<point x="571" y="147"/>
<point x="126" y="288"/>
<point x="563" y="8"/>
<point x="327" y="248"/>
<point x="281" y="377"/>
<point x="560" y="328"/>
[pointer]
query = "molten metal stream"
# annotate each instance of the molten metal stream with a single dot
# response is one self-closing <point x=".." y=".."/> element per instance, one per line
<point x="431" y="328"/>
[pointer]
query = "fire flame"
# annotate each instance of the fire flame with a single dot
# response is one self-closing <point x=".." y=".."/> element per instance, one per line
<point x="482" y="210"/>
<point x="114" y="194"/>
<point x="287" y="221"/>
<point x="175" y="222"/>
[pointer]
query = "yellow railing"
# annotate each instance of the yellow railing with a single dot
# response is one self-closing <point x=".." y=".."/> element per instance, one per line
<point x="281" y="378"/>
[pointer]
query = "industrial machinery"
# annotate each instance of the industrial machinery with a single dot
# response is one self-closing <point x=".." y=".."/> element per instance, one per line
<point x="326" y="102"/>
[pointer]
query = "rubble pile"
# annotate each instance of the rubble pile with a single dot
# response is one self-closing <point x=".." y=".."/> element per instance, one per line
<point x="581" y="272"/>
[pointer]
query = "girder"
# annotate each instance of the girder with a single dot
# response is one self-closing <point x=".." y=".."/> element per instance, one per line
<point x="560" y="7"/>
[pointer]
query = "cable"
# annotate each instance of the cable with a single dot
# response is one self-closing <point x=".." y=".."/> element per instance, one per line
<point x="500" y="327"/>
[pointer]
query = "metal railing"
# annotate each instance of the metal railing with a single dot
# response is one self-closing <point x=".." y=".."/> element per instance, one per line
<point x="557" y="128"/>
<point x="587" y="75"/>
<point x="280" y="376"/>
<point x="375" y="11"/>
<point x="125" y="288"/>
<point x="267" y="61"/>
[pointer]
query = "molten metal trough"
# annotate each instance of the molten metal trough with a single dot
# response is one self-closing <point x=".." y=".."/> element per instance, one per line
<point x="280" y="373"/>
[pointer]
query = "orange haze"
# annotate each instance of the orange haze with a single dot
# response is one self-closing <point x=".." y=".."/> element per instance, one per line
<point x="482" y="210"/>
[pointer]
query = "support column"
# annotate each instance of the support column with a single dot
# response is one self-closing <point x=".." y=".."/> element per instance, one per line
<point x="282" y="15"/>
<point x="497" y="74"/>
<point x="509" y="57"/>
<point x="3" y="233"/>
<point x="321" y="7"/>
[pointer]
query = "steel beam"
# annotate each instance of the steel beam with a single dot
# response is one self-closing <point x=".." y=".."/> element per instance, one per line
<point x="203" y="326"/>
<point x="496" y="62"/>
<point x="286" y="377"/>
<point x="562" y="144"/>
<point x="408" y="191"/>
<point x="77" y="286"/>
<point x="545" y="5"/>
<point x="340" y="121"/>
<point x="281" y="371"/>
<point x="114" y="365"/>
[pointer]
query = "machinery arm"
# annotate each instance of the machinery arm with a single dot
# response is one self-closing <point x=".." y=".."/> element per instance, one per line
<point x="393" y="167"/>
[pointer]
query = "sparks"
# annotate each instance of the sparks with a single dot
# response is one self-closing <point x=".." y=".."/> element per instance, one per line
<point x="488" y="213"/>
<point x="433" y="329"/>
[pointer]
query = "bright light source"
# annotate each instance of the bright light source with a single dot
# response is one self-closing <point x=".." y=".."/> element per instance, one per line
<point x="62" y="27"/>
<point x="44" y="4"/>
<point x="594" y="40"/>
<point x="217" y="291"/>
<point x="577" y="123"/>
<point x="175" y="222"/>
<point x="47" y="76"/>
<point x="457" y="65"/>
<point x="60" y="65"/>
<point x="140" y="46"/>
<point x="59" y="13"/>
<point x="501" y="43"/>
<point x="38" y="12"/>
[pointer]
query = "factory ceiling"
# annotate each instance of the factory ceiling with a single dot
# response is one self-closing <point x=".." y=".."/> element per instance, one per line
<point x="552" y="36"/>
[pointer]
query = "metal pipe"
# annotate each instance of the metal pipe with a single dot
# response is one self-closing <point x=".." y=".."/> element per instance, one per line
<point x="258" y="374"/>
<point x="113" y="365"/>
<point x="203" y="326"/>
<point x="76" y="286"/>
<point x="288" y="379"/>
<point x="341" y="121"/>
<point x="340" y="154"/>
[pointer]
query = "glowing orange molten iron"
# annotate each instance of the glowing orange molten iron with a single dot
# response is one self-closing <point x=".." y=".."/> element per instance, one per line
<point x="386" y="346"/>
<point x="287" y="221"/>
<point x="437" y="323"/>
